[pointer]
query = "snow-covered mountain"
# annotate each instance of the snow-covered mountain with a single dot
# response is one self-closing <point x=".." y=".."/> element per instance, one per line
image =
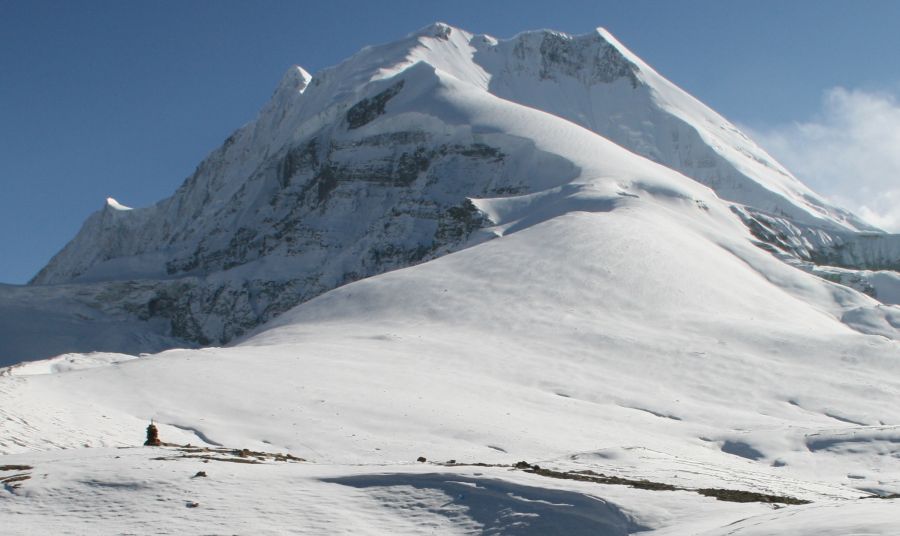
<point x="372" y="165"/>
<point x="477" y="252"/>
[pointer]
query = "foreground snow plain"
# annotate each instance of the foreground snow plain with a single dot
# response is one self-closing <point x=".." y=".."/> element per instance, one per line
<point x="619" y="320"/>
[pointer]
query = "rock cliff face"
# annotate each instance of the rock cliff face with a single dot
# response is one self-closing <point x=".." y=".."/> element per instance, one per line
<point x="367" y="167"/>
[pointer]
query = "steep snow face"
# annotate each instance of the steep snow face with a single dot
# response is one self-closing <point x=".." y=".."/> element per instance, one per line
<point x="397" y="156"/>
<point x="594" y="81"/>
<point x="107" y="235"/>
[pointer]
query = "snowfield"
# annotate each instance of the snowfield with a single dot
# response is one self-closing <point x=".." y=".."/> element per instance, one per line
<point x="615" y="325"/>
<point x="620" y="342"/>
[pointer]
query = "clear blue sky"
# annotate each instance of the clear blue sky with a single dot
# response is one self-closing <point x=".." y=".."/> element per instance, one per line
<point x="124" y="98"/>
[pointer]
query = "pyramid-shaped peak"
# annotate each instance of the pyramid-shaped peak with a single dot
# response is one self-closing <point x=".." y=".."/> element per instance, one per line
<point x="594" y="57"/>
<point x="295" y="79"/>
<point x="610" y="39"/>
<point x="600" y="34"/>
<point x="600" y="37"/>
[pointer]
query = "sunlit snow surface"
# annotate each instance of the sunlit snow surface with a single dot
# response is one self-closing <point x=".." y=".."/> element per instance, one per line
<point x="618" y="319"/>
<point x="527" y="347"/>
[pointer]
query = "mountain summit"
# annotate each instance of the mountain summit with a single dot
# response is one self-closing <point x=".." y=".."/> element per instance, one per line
<point x="413" y="149"/>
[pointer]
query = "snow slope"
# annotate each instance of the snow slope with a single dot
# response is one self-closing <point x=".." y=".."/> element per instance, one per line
<point x="569" y="343"/>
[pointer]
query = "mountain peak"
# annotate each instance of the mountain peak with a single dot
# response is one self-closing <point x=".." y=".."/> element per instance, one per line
<point x="295" y="80"/>
<point x="549" y="55"/>
<point x="440" y="30"/>
<point x="610" y="39"/>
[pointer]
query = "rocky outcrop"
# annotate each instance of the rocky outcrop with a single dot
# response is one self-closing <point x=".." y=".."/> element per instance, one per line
<point x="823" y="246"/>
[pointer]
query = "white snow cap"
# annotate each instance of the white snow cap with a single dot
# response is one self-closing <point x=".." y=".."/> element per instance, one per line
<point x="115" y="205"/>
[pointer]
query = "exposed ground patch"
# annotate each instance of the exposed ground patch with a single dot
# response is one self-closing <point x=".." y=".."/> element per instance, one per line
<point x="722" y="494"/>
<point x="227" y="455"/>
<point x="13" y="482"/>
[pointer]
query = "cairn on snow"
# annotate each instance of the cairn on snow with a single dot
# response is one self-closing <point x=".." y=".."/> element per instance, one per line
<point x="152" y="436"/>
